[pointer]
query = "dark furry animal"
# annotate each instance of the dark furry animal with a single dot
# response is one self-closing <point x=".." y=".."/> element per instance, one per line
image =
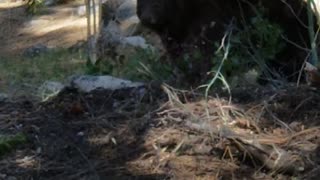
<point x="178" y="19"/>
<point x="201" y="22"/>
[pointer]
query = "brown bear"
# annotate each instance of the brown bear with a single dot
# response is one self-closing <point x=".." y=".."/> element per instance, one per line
<point x="200" y="23"/>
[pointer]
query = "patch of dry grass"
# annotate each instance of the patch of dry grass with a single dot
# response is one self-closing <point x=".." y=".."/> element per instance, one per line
<point x="243" y="133"/>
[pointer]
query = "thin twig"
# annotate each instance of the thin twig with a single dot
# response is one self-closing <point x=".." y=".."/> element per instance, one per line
<point x="276" y="118"/>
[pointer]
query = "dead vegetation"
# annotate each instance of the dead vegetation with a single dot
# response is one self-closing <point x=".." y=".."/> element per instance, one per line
<point x="157" y="133"/>
<point x="166" y="134"/>
<point x="252" y="133"/>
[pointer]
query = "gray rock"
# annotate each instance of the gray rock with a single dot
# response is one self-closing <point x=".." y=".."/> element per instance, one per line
<point x="130" y="26"/>
<point x="110" y="36"/>
<point x="87" y="83"/>
<point x="109" y="9"/>
<point x="136" y="41"/>
<point x="3" y="97"/>
<point x="127" y="18"/>
<point x="126" y="10"/>
<point x="123" y="33"/>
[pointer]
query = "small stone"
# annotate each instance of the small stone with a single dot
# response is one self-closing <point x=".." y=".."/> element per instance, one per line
<point x="80" y="134"/>
<point x="136" y="41"/>
<point x="3" y="97"/>
<point x="39" y="150"/>
<point x="301" y="169"/>
<point x="126" y="10"/>
<point x="2" y="176"/>
<point x="114" y="141"/>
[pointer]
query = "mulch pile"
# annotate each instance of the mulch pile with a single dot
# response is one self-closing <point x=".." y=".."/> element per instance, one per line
<point x="150" y="133"/>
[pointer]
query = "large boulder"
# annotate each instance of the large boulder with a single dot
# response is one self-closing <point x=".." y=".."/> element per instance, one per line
<point x="110" y="8"/>
<point x="122" y="33"/>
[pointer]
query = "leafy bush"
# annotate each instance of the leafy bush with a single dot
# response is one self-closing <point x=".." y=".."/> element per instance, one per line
<point x="251" y="47"/>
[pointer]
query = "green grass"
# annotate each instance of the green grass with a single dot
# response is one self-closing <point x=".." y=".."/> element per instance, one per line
<point x="9" y="143"/>
<point x="54" y="65"/>
<point x="140" y="65"/>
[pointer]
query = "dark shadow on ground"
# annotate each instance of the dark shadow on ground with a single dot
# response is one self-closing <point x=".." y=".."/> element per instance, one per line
<point x="115" y="134"/>
<point x="77" y="135"/>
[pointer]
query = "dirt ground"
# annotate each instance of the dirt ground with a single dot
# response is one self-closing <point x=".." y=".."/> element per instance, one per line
<point x="154" y="133"/>
<point x="57" y="26"/>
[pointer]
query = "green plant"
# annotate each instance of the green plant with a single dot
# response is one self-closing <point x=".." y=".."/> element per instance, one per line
<point x="142" y="64"/>
<point x="9" y="143"/>
<point x="34" y="6"/>
<point x="251" y="47"/>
